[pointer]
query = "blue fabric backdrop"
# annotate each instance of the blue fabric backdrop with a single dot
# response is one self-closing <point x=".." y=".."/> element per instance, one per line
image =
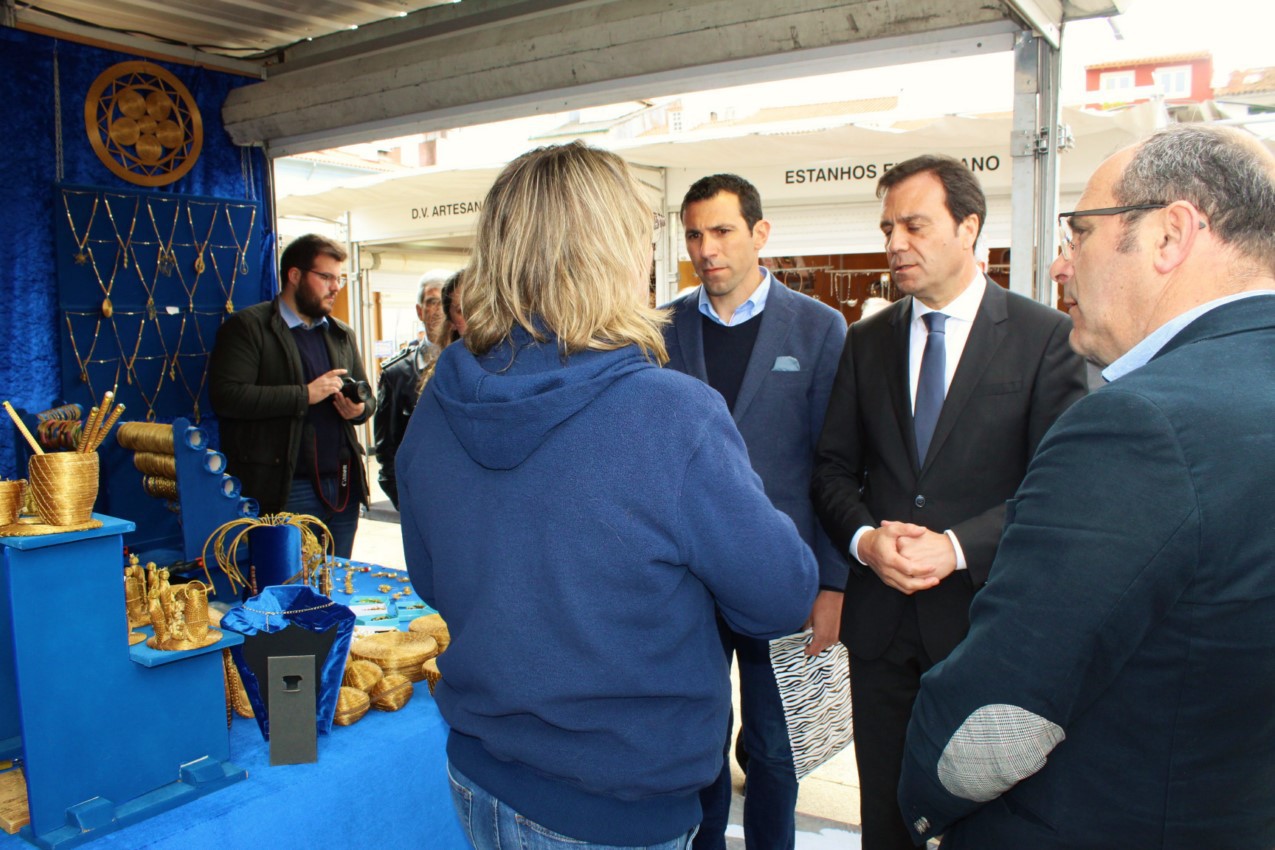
<point x="42" y="71"/>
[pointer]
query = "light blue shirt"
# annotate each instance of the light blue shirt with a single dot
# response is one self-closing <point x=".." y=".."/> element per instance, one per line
<point x="291" y="319"/>
<point x="750" y="308"/>
<point x="1142" y="353"/>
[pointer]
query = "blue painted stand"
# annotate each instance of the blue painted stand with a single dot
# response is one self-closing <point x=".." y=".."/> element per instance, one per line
<point x="105" y="740"/>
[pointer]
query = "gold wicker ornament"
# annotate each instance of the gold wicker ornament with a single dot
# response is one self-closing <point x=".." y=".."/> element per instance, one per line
<point x="392" y="692"/>
<point x="64" y="487"/>
<point x="11" y="495"/>
<point x="362" y="675"/>
<point x="143" y="123"/>
<point x="430" y="671"/>
<point x="396" y="652"/>
<point x="313" y="553"/>
<point x="236" y="695"/>
<point x="434" y="626"/>
<point x="180" y="616"/>
<point x="351" y="705"/>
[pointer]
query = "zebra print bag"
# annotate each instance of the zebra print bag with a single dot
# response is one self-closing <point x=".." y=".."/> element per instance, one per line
<point x="816" y="697"/>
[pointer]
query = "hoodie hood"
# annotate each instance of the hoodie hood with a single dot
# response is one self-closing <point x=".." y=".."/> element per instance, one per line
<point x="503" y="405"/>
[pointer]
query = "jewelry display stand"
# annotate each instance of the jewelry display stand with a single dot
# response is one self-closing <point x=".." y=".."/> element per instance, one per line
<point x="107" y="734"/>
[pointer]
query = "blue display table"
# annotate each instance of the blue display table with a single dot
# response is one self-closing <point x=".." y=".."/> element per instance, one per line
<point x="381" y="783"/>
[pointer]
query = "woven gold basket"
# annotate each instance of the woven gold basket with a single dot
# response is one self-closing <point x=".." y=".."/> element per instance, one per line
<point x="434" y="626"/>
<point x="362" y="675"/>
<point x="351" y="705"/>
<point x="391" y="693"/>
<point x="11" y="496"/>
<point x="64" y="486"/>
<point x="430" y="671"/>
<point x="396" y="652"/>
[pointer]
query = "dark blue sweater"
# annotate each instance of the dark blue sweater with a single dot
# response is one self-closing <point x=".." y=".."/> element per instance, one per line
<point x="577" y="523"/>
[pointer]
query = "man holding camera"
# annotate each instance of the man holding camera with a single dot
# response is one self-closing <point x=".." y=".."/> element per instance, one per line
<point x="288" y="385"/>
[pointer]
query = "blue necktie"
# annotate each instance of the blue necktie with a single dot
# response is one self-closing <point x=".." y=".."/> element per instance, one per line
<point x="929" y="388"/>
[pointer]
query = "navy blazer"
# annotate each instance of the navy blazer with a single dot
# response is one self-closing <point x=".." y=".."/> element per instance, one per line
<point x="1016" y="375"/>
<point x="781" y="402"/>
<point x="1132" y="607"/>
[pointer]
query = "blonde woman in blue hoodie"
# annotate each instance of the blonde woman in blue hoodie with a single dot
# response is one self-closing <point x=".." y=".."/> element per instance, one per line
<point x="601" y="511"/>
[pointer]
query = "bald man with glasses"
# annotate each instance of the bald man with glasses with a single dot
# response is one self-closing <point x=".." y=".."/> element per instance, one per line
<point x="276" y="379"/>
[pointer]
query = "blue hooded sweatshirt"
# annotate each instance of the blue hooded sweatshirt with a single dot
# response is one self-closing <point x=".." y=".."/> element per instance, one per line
<point x="579" y="522"/>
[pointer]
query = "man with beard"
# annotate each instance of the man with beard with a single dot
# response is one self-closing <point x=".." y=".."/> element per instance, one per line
<point x="275" y="378"/>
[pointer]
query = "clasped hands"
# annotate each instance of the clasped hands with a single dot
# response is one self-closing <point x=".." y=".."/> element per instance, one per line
<point x="907" y="557"/>
<point x="328" y="385"/>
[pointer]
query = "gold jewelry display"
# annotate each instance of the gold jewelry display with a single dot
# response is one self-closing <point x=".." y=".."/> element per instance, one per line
<point x="226" y="539"/>
<point x="200" y="247"/>
<point x="108" y="309"/>
<point x="126" y="245"/>
<point x="242" y="255"/>
<point x="167" y="257"/>
<point x="81" y="242"/>
<point x="83" y="362"/>
<point x="180" y="616"/>
<point x="230" y="296"/>
<point x="143" y="123"/>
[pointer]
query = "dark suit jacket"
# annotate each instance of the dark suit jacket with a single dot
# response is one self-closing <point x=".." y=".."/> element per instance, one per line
<point x="1016" y="375"/>
<point x="1131" y="606"/>
<point x="781" y="402"/>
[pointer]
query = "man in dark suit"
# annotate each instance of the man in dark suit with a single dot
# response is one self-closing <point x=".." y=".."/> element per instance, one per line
<point x="1130" y="608"/>
<point x="939" y="402"/>
<point x="772" y="354"/>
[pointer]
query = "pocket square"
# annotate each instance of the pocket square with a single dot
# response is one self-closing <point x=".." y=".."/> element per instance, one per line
<point x="785" y="363"/>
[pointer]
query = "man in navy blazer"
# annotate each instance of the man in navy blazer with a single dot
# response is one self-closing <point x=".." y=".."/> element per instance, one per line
<point x="1115" y="689"/>
<point x="921" y="524"/>
<point x="772" y="354"/>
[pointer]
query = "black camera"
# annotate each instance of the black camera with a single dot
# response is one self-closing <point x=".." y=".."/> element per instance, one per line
<point x="356" y="391"/>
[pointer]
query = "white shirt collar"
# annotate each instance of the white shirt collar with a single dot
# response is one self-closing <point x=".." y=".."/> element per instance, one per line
<point x="963" y="307"/>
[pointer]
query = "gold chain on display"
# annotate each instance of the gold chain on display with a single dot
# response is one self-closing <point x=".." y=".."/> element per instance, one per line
<point x="242" y="255"/>
<point x="81" y="243"/>
<point x="166" y="259"/>
<point x="125" y="245"/>
<point x="200" y="247"/>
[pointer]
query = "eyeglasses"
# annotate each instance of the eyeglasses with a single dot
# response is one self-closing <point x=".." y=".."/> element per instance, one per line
<point x="329" y="279"/>
<point x="1067" y="240"/>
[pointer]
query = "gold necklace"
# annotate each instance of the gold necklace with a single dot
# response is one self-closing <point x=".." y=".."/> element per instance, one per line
<point x="221" y="282"/>
<point x="83" y="362"/>
<point x="124" y="245"/>
<point x="108" y="309"/>
<point x="81" y="256"/>
<point x="203" y="379"/>
<point x="242" y="249"/>
<point x="199" y="248"/>
<point x="150" y="290"/>
<point x="167" y="259"/>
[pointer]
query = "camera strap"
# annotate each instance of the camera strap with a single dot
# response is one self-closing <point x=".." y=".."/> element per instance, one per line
<point x="344" y="469"/>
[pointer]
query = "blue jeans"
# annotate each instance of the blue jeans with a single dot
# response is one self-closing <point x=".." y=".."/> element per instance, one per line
<point x="491" y="825"/>
<point x="343" y="524"/>
<point x="770" y="790"/>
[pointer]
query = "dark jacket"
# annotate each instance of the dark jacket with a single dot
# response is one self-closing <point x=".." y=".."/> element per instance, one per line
<point x="258" y="391"/>
<point x="609" y="509"/>
<point x="395" y="400"/>
<point x="782" y="401"/>
<point x="1130" y="608"/>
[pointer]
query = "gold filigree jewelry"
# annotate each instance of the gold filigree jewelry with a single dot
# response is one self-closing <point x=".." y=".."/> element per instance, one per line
<point x="143" y="123"/>
<point x="125" y="244"/>
<point x="81" y="255"/>
<point x="166" y="261"/>
<point x="203" y="379"/>
<point x="200" y="247"/>
<point x="227" y="558"/>
<point x="242" y="255"/>
<point x="141" y="278"/>
<point x="83" y="362"/>
<point x="108" y="309"/>
<point x="221" y="282"/>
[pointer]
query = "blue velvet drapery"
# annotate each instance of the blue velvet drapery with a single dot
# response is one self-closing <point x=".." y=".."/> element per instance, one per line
<point x="43" y="72"/>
